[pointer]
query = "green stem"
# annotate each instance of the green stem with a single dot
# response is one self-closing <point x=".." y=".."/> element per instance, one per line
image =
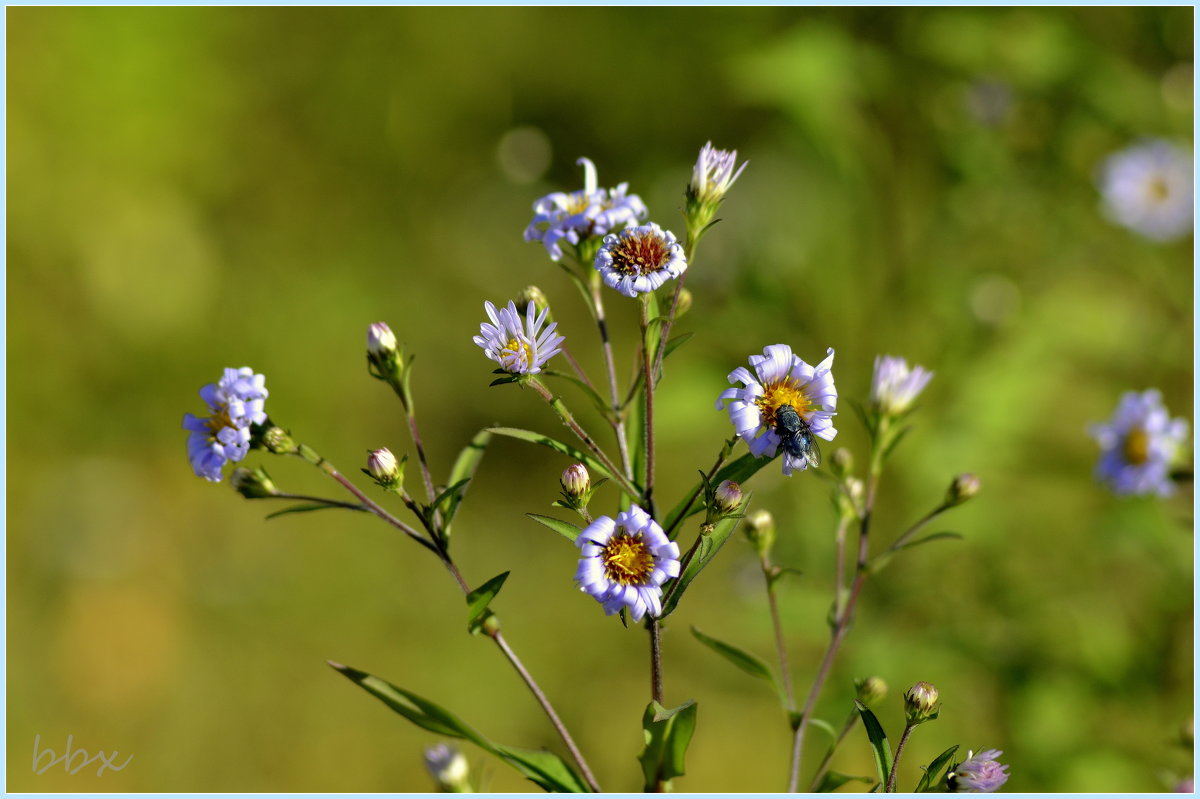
<point x="721" y="458"/>
<point x="916" y="528"/>
<point x="823" y="767"/>
<point x="648" y="388"/>
<point x="785" y="673"/>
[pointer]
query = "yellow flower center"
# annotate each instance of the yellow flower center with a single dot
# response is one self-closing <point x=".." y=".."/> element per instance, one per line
<point x="577" y="202"/>
<point x="217" y="422"/>
<point x="516" y="349"/>
<point x="787" y="391"/>
<point x="1157" y="189"/>
<point x="627" y="560"/>
<point x="1137" y="446"/>
<point x="640" y="253"/>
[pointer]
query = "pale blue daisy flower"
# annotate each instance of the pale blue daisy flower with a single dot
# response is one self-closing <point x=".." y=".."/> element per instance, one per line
<point x="518" y="344"/>
<point x="236" y="403"/>
<point x="979" y="773"/>
<point x="625" y="562"/>
<point x="640" y="259"/>
<point x="578" y="215"/>
<point x="780" y="378"/>
<point x="894" y="386"/>
<point x="713" y="174"/>
<point x="1148" y="189"/>
<point x="1138" y="445"/>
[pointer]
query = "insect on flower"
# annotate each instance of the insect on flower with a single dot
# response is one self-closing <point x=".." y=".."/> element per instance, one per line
<point x="796" y="436"/>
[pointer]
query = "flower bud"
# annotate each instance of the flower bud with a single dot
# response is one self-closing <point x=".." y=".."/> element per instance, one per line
<point x="532" y="295"/>
<point x="728" y="496"/>
<point x="576" y="481"/>
<point x="279" y="441"/>
<point x="963" y="488"/>
<point x="843" y="461"/>
<point x="383" y="467"/>
<point x="449" y="768"/>
<point x="871" y="690"/>
<point x="760" y="529"/>
<point x="380" y="339"/>
<point x="921" y="703"/>
<point x="685" y="303"/>
<point x="253" y="483"/>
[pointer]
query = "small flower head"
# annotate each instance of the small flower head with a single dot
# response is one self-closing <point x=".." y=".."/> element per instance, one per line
<point x="871" y="690"/>
<point x="585" y="214"/>
<point x="279" y="442"/>
<point x="235" y="403"/>
<point x="1148" y="189"/>
<point x="518" y="343"/>
<point x="728" y="496"/>
<point x="253" y="483"/>
<point x="921" y="703"/>
<point x="380" y="339"/>
<point x="961" y="489"/>
<point x="760" y="529"/>
<point x="713" y="174"/>
<point x="685" y="303"/>
<point x="575" y="481"/>
<point x="640" y="259"/>
<point x="1138" y="445"/>
<point x="979" y="773"/>
<point x="894" y="386"/>
<point x="384" y="469"/>
<point x="449" y="768"/>
<point x="625" y="562"/>
<point x="780" y="378"/>
<point x="533" y="296"/>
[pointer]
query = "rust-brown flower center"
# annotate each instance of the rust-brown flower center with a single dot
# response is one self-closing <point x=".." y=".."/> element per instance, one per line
<point x="640" y="253"/>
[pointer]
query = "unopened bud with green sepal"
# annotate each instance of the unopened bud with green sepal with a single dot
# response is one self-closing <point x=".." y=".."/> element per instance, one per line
<point x="963" y="488"/>
<point x="870" y="690"/>
<point x="760" y="529"/>
<point x="253" y="483"/>
<point x="384" y="469"/>
<point x="921" y="703"/>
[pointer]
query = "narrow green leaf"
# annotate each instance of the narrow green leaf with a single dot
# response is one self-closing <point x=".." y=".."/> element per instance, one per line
<point x="930" y="537"/>
<point x="637" y="429"/>
<point x="545" y="441"/>
<point x="667" y="734"/>
<point x="710" y="545"/>
<point x="931" y="781"/>
<point x="546" y="769"/>
<point x="499" y="381"/>
<point x="834" y="780"/>
<point x="883" y="558"/>
<point x="602" y="405"/>
<point x="423" y="713"/>
<point x="654" y="336"/>
<point x="895" y="442"/>
<point x="879" y="742"/>
<point x="478" y="601"/>
<point x="740" y="658"/>
<point x="307" y="508"/>
<point x="565" y="529"/>
<point x="824" y="726"/>
<point x="450" y="492"/>
<point x="739" y="471"/>
<point x="464" y="468"/>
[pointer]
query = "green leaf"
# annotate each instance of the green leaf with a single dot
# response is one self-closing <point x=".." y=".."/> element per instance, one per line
<point x="602" y="405"/>
<point x="931" y="781"/>
<point x="834" y="780"/>
<point x="740" y="658"/>
<point x="739" y="471"/>
<point x="544" y="768"/>
<point x="879" y="742"/>
<point x="824" y="726"/>
<point x="544" y="440"/>
<point x="565" y="529"/>
<point x="307" y="508"/>
<point x="667" y="734"/>
<point x="499" y="381"/>
<point x="883" y="558"/>
<point x="710" y="545"/>
<point x="930" y="537"/>
<point x="450" y="492"/>
<point x="894" y="442"/>
<point x="654" y="336"/>
<point x="637" y="428"/>
<point x="478" y="601"/>
<point x="464" y="469"/>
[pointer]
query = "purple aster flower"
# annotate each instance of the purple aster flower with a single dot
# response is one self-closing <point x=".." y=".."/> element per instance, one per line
<point x="713" y="174"/>
<point x="516" y="344"/>
<point x="236" y="403"/>
<point x="1185" y="786"/>
<point x="640" y="259"/>
<point x="581" y="214"/>
<point x="1148" y="189"/>
<point x="894" y="386"/>
<point x="1138" y="445"/>
<point x="625" y="562"/>
<point x="780" y="378"/>
<point x="979" y="773"/>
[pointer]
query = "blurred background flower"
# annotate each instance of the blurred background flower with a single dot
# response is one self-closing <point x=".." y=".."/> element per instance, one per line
<point x="191" y="188"/>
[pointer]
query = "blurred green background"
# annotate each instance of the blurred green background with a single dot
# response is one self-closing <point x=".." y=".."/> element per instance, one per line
<point x="190" y="189"/>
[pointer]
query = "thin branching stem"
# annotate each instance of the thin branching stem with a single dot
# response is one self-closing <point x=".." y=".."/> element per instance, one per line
<point x="333" y="503"/>
<point x="891" y="781"/>
<point x="785" y="672"/>
<point x="648" y="388"/>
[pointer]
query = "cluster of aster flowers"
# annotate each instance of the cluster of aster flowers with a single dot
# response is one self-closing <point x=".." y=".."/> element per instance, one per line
<point x="578" y="215"/>
<point x="1138" y="445"/>
<point x="1148" y="189"/>
<point x="235" y="403"/>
